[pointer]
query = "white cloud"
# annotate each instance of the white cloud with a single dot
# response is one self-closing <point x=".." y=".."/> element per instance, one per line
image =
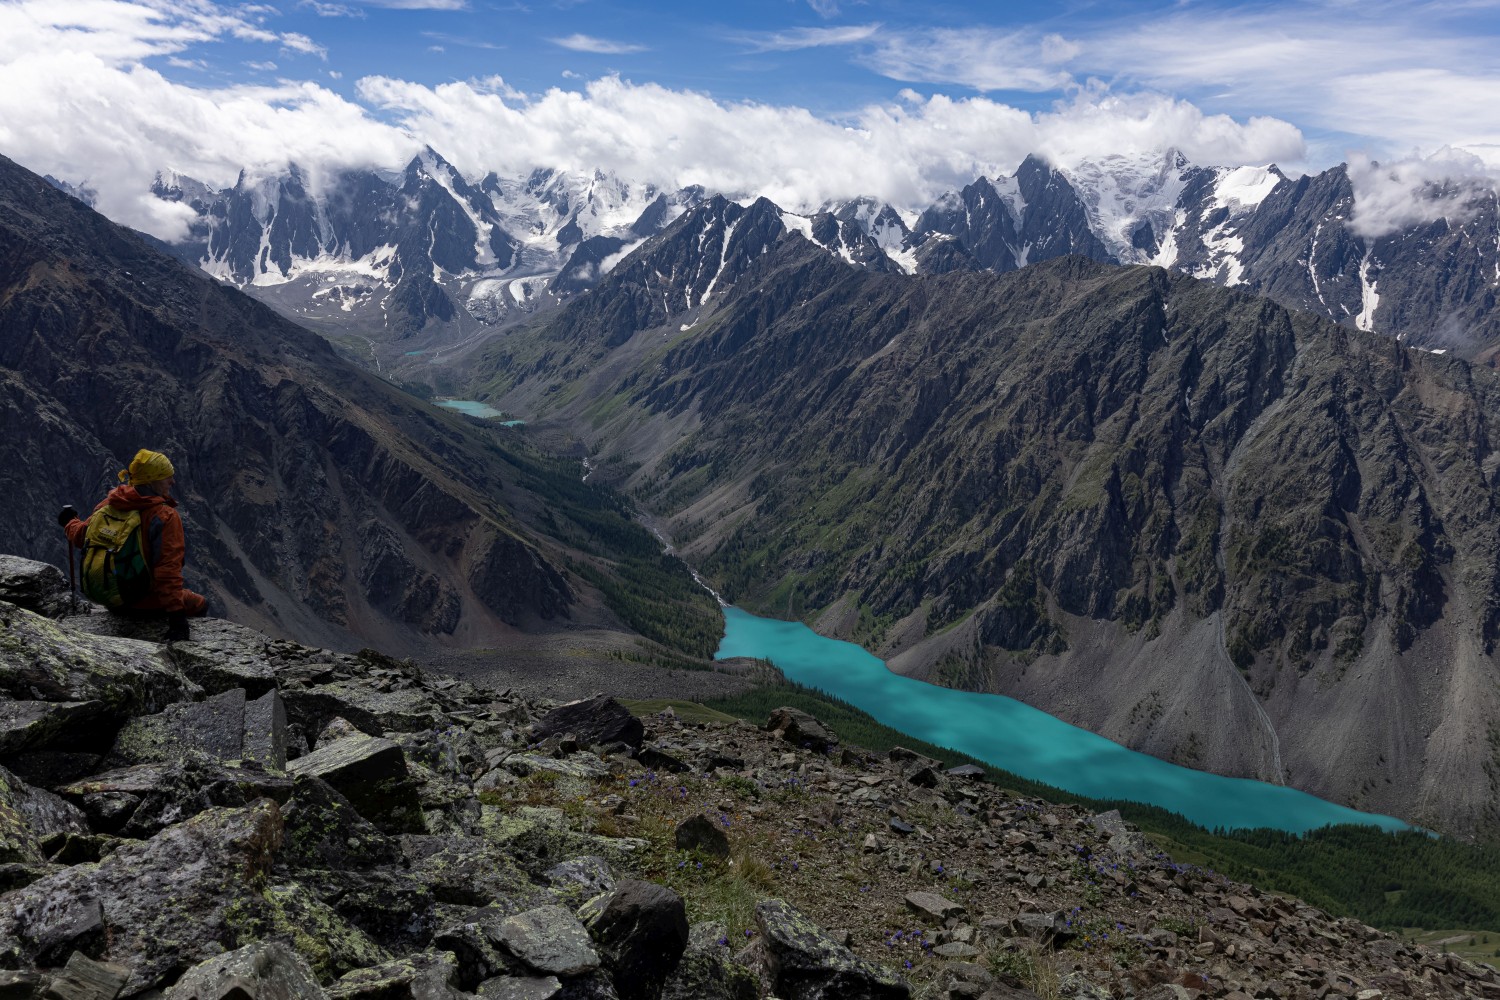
<point x="906" y="153"/>
<point x="1450" y="184"/>
<point x="265" y="67"/>
<point x="824" y="8"/>
<point x="418" y="4"/>
<point x="1390" y="76"/>
<point x="983" y="59"/>
<point x="599" y="46"/>
<point x="810" y="38"/>
<point x="331" y="9"/>
<point x="76" y="102"/>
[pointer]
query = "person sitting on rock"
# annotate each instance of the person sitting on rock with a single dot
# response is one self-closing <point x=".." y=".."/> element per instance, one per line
<point x="147" y="486"/>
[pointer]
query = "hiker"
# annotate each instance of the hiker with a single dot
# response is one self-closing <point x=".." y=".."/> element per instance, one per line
<point x="147" y="488"/>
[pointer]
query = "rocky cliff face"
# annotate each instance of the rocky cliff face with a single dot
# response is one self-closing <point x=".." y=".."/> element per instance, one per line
<point x="239" y="816"/>
<point x="319" y="500"/>
<point x="1199" y="523"/>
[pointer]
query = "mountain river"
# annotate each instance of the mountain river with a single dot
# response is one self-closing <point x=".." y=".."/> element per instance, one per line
<point x="1024" y="740"/>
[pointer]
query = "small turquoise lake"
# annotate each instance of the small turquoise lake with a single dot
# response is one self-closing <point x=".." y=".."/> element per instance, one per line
<point x="471" y="407"/>
<point x="1024" y="740"/>
<point x="483" y="411"/>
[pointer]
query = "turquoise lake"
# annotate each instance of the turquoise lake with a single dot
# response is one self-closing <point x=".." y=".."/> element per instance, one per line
<point x="1024" y="740"/>
<point x="471" y="407"/>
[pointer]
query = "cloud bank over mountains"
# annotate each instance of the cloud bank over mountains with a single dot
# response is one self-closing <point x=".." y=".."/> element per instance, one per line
<point x="77" y="100"/>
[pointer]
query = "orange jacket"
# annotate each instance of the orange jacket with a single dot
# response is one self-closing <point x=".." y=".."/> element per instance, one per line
<point x="161" y="537"/>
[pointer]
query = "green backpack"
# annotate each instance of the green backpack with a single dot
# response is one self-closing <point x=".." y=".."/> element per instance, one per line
<point x="115" y="573"/>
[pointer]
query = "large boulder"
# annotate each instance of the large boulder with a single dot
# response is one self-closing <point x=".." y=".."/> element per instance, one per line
<point x="40" y="660"/>
<point x="426" y="976"/>
<point x="472" y="871"/>
<point x="707" y="971"/>
<point x="152" y="907"/>
<point x="371" y="710"/>
<point x="264" y="970"/>
<point x="222" y="656"/>
<point x="139" y="801"/>
<point x="801" y="730"/>
<point x="801" y="962"/>
<point x="549" y="940"/>
<point x="225" y="728"/>
<point x="640" y="929"/>
<point x="371" y="773"/>
<point x="324" y="831"/>
<point x="35" y="586"/>
<point x="596" y="721"/>
<point x="29" y="816"/>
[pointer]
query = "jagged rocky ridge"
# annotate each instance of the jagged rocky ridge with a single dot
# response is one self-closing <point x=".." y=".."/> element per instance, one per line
<point x="320" y="501"/>
<point x="1203" y="525"/>
<point x="239" y="816"/>
<point x="425" y="257"/>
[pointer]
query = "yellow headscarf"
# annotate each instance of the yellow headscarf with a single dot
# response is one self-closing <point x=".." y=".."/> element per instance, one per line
<point x="147" y="467"/>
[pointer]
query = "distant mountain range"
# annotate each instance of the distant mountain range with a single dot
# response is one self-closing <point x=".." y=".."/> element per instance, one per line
<point x="423" y="259"/>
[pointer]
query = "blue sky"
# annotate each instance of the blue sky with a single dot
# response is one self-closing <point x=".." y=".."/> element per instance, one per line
<point x="801" y="100"/>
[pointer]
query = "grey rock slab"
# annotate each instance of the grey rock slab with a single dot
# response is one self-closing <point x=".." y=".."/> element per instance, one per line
<point x="325" y="831"/>
<point x="371" y="773"/>
<point x="597" y="721"/>
<point x="471" y="934"/>
<point x="933" y="906"/>
<point x="472" y="871"/>
<point x="641" y="930"/>
<point x="521" y="988"/>
<point x="37" y="587"/>
<point x="265" y="740"/>
<point x="30" y="815"/>
<point x="27" y="725"/>
<point x="85" y="979"/>
<point x="139" y="801"/>
<point x="580" y="765"/>
<point x="163" y="904"/>
<point x="968" y="772"/>
<point x="803" y="963"/>
<point x="264" y="970"/>
<point x="42" y="660"/>
<point x="426" y="976"/>
<point x="371" y="710"/>
<point x="16" y="985"/>
<point x="222" y="656"/>
<point x="213" y="729"/>
<point x="549" y="939"/>
<point x="581" y="878"/>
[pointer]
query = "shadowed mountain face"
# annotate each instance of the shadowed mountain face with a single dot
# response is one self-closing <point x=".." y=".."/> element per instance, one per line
<point x="319" y="500"/>
<point x="1233" y="535"/>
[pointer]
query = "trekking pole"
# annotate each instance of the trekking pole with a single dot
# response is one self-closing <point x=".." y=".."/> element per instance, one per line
<point x="64" y="519"/>
<point x="72" y="576"/>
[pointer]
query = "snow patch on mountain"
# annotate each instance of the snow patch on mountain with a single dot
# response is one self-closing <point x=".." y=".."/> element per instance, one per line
<point x="1121" y="193"/>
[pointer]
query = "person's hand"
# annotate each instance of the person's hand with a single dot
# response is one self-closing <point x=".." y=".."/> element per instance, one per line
<point x="177" y="628"/>
<point x="67" y="516"/>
